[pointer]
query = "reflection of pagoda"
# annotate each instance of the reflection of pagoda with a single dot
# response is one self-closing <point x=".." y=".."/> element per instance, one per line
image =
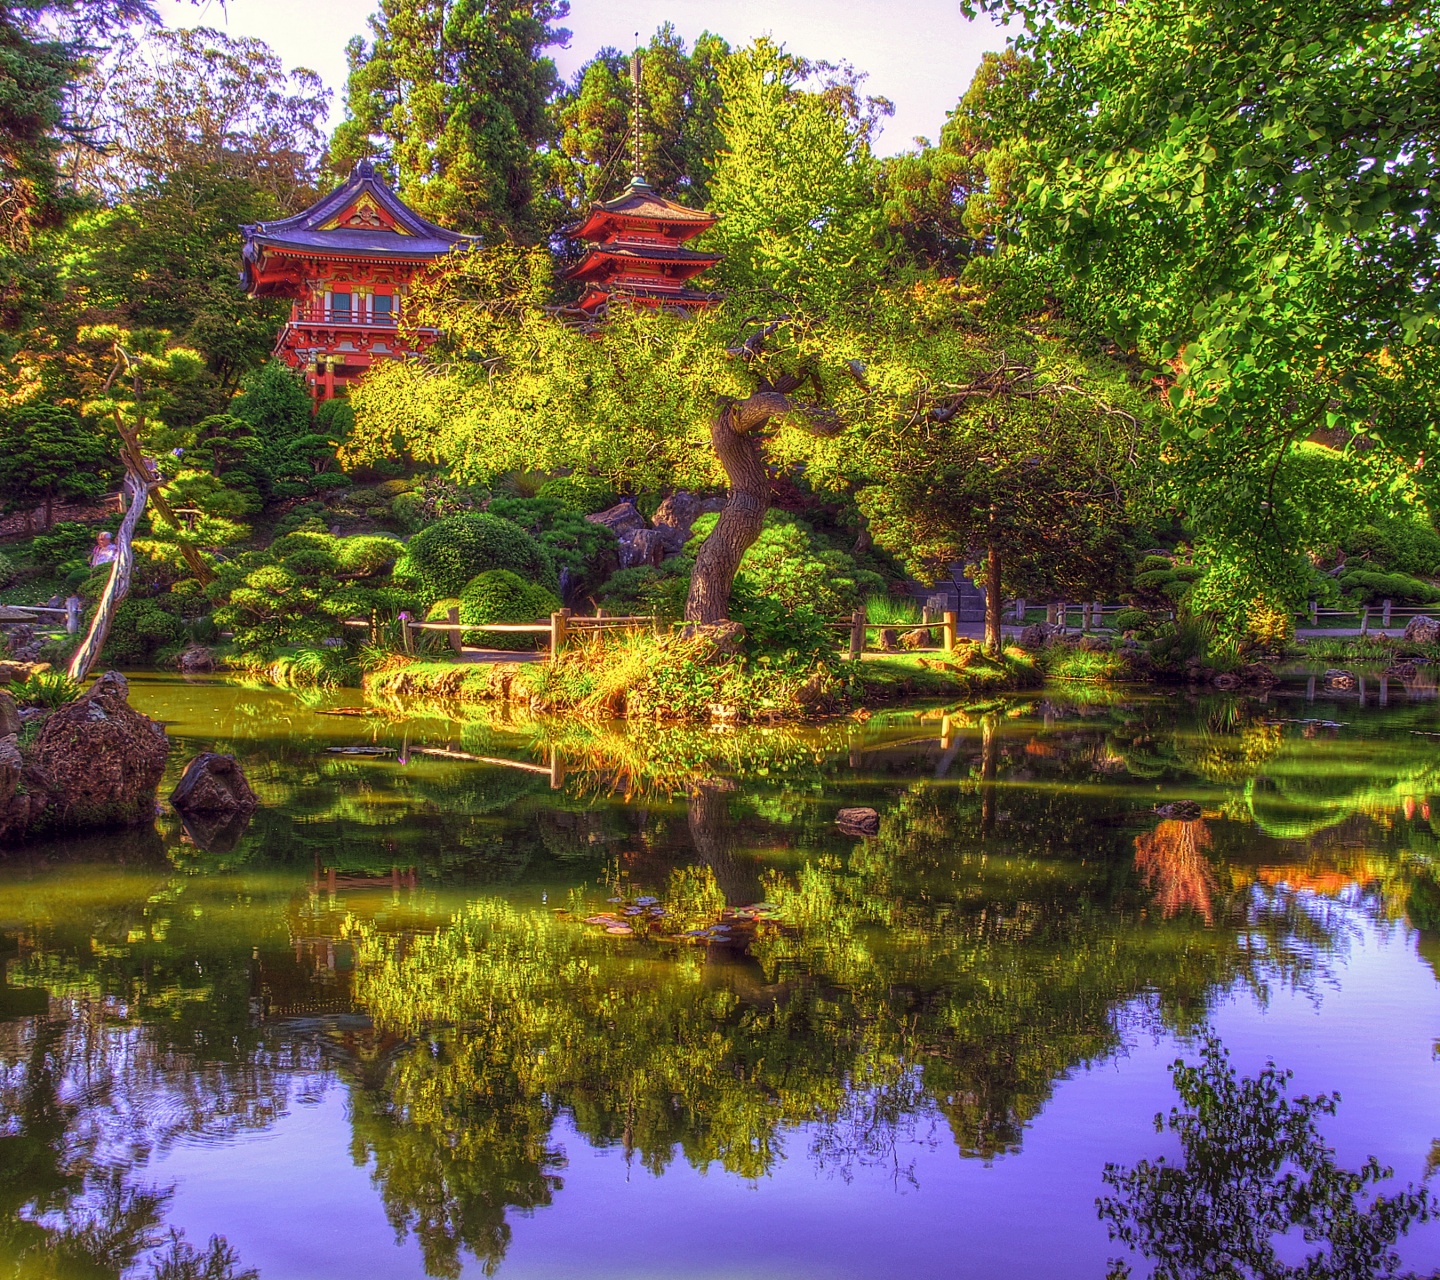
<point x="637" y="243"/>
<point x="637" y="250"/>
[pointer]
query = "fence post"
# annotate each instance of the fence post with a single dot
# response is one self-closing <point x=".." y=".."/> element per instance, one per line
<point x="1062" y="615"/>
<point x="857" y="634"/>
<point x="1085" y="617"/>
<point x="1365" y="620"/>
<point x="1097" y="615"/>
<point x="1020" y="612"/>
<point x="557" y="634"/>
<point x="1049" y="615"/>
<point x="72" y="615"/>
<point x="407" y="638"/>
<point x="1314" y="613"/>
<point x="453" y="618"/>
<point x="951" y="617"/>
<point x="1385" y="614"/>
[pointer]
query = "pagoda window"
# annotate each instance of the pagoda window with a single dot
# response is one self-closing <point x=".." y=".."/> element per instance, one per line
<point x="383" y="308"/>
<point x="340" y="306"/>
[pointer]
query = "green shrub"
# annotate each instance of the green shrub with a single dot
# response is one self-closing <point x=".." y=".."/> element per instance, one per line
<point x="587" y="550"/>
<point x="1397" y="545"/>
<point x="1130" y="620"/>
<point x="786" y="635"/>
<point x="393" y="488"/>
<point x="1371" y="588"/>
<point x="301" y="589"/>
<point x="44" y="689"/>
<point x="7" y="571"/>
<point x="65" y="542"/>
<point x="440" y="610"/>
<point x="785" y="564"/>
<point x="885" y="610"/>
<point x="583" y="495"/>
<point x="141" y="627"/>
<point x="367" y="554"/>
<point x="444" y="556"/>
<point x="498" y="595"/>
<point x="646" y="589"/>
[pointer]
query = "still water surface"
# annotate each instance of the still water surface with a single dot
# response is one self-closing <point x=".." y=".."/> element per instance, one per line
<point x="372" y="1034"/>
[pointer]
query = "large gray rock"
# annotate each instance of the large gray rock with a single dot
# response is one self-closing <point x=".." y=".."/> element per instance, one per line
<point x="1422" y="630"/>
<point x="1339" y="680"/>
<point x="858" y="821"/>
<point x="622" y="519"/>
<point x="678" y="513"/>
<point x="644" y="546"/>
<point x="9" y="715"/>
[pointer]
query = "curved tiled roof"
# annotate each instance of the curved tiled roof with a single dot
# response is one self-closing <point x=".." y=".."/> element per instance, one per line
<point x="416" y="238"/>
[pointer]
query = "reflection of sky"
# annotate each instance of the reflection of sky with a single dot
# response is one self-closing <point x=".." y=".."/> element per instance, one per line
<point x="294" y="1205"/>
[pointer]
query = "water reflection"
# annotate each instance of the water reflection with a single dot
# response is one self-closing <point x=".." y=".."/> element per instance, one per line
<point x="412" y="929"/>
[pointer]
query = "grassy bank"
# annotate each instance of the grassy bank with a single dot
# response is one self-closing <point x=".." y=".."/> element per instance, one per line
<point x="671" y="678"/>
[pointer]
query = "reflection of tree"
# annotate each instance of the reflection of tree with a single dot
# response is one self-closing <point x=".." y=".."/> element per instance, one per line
<point x="1255" y="1172"/>
<point x="1173" y="864"/>
<point x="85" y="1101"/>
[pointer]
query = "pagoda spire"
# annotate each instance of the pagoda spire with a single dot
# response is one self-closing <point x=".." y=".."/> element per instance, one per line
<point x="637" y="174"/>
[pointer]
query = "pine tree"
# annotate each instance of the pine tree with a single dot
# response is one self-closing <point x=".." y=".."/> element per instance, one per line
<point x="453" y="96"/>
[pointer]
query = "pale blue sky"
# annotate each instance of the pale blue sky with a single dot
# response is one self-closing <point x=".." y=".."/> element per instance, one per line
<point x="919" y="53"/>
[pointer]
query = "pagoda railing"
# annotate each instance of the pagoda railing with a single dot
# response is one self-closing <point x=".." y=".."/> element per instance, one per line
<point x="351" y="316"/>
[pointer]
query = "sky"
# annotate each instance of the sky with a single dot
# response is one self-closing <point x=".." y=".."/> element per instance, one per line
<point x="920" y="54"/>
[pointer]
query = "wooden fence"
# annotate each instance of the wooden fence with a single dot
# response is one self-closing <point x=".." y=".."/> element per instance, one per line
<point x="559" y="630"/>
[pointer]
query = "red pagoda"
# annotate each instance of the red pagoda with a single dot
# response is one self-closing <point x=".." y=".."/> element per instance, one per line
<point x="346" y="261"/>
<point x="637" y="251"/>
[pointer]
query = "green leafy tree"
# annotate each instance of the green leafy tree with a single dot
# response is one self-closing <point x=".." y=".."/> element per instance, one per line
<point x="1026" y="470"/>
<point x="49" y="454"/>
<point x="296" y="449"/>
<point x="1249" y="206"/>
<point x="680" y="94"/>
<point x="454" y="96"/>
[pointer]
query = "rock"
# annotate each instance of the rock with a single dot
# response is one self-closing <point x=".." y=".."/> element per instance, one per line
<point x="195" y="660"/>
<point x="9" y="715"/>
<point x="622" y="519"/>
<point x="1095" y="644"/>
<point x="812" y="692"/>
<point x="213" y="784"/>
<point x="1227" y="681"/>
<point x="1179" y="811"/>
<point x="1339" y="681"/>
<point x="644" y="546"/>
<point x="10" y="671"/>
<point x="1258" y="674"/>
<point x="677" y="514"/>
<point x="917" y="638"/>
<point x="714" y="641"/>
<point x="1036" y="636"/>
<point x="9" y="613"/>
<point x="23" y="644"/>
<point x="1422" y="630"/>
<point x="858" y="821"/>
<point x="99" y="760"/>
<point x="888" y="639"/>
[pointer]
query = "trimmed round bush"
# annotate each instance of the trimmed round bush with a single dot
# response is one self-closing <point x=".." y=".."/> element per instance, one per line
<point x="443" y="557"/>
<point x="501" y="596"/>
<point x="366" y="554"/>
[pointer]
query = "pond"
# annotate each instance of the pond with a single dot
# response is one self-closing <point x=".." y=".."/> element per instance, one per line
<point x="642" y="1008"/>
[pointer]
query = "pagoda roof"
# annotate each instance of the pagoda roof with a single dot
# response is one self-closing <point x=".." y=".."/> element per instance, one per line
<point x="601" y="255"/>
<point x="379" y="225"/>
<point x="639" y="201"/>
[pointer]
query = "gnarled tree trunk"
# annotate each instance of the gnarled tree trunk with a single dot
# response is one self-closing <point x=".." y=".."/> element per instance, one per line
<point x="733" y="433"/>
<point x="993" y="635"/>
<point x="118" y="584"/>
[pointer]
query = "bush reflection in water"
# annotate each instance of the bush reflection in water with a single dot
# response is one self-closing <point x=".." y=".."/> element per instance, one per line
<point x="381" y="925"/>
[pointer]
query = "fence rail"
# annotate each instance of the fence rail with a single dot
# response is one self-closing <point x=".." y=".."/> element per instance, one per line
<point x="560" y="628"/>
